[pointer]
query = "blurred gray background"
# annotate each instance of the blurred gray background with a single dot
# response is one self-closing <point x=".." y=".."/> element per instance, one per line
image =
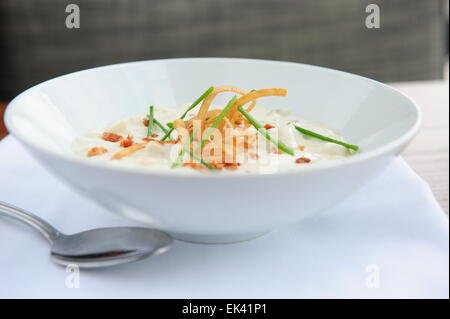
<point x="35" y="44"/>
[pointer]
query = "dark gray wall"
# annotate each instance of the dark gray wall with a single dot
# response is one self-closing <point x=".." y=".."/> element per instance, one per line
<point x="35" y="44"/>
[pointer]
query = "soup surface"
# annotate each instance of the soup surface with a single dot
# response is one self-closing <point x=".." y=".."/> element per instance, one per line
<point x="237" y="148"/>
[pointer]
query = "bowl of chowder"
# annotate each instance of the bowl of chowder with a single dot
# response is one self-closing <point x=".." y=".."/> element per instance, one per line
<point x="213" y="150"/>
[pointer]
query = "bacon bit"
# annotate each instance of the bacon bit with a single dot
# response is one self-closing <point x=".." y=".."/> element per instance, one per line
<point x="127" y="142"/>
<point x="238" y="122"/>
<point x="111" y="137"/>
<point x="128" y="151"/>
<point x="96" y="151"/>
<point x="302" y="160"/>
<point x="217" y="166"/>
<point x="301" y="147"/>
<point x="231" y="166"/>
<point x="268" y="126"/>
<point x="145" y="122"/>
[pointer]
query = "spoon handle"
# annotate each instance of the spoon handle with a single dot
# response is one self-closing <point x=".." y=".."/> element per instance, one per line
<point x="32" y="220"/>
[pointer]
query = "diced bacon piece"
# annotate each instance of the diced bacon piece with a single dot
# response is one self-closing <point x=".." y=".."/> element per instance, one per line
<point x="302" y="160"/>
<point x="231" y="166"/>
<point x="127" y="142"/>
<point x="111" y="137"/>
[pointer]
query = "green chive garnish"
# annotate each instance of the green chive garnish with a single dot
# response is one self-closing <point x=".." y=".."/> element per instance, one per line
<point x="279" y="144"/>
<point x="199" y="159"/>
<point x="326" y="139"/>
<point x="185" y="148"/>
<point x="201" y="98"/>
<point x="180" y="155"/>
<point x="169" y="124"/>
<point x="150" y="121"/>
<point x="217" y="121"/>
<point x="162" y="127"/>
<point x="178" y="159"/>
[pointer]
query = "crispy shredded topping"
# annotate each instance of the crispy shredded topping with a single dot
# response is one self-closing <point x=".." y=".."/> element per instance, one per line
<point x="202" y="113"/>
<point x="229" y="148"/>
<point x="128" y="151"/>
<point x="95" y="151"/>
<point x="249" y="97"/>
<point x="149" y="139"/>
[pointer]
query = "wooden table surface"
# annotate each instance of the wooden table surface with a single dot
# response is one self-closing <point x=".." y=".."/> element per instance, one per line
<point x="428" y="153"/>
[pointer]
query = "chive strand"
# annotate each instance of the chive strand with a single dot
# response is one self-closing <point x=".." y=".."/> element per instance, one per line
<point x="326" y="139"/>
<point x="177" y="161"/>
<point x="217" y="121"/>
<point x="150" y="121"/>
<point x="279" y="144"/>
<point x="161" y="126"/>
<point x="201" y="98"/>
<point x="200" y="160"/>
<point x="180" y="155"/>
<point x="185" y="149"/>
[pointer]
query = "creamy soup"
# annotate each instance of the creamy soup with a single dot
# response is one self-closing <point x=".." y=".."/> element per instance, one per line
<point x="228" y="138"/>
<point x="260" y="156"/>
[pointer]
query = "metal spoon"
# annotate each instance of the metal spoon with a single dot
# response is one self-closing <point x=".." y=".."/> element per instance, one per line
<point x="98" y="247"/>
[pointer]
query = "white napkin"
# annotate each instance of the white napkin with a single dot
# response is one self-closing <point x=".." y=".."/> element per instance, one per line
<point x="388" y="240"/>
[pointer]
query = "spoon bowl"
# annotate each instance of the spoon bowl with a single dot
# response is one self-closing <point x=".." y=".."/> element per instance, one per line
<point x="108" y="246"/>
<point x="95" y="248"/>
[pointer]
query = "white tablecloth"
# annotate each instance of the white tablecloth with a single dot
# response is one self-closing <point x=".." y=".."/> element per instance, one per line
<point x="390" y="239"/>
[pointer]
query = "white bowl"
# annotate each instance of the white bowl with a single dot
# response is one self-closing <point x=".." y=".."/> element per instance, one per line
<point x="217" y="208"/>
